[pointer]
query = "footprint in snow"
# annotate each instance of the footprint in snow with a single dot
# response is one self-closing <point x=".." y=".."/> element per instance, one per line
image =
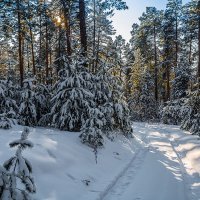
<point x="71" y="177"/>
<point x="51" y="154"/>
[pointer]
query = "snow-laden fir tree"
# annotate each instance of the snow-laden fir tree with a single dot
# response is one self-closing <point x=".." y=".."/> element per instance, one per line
<point x="147" y="104"/>
<point x="91" y="131"/>
<point x="72" y="98"/>
<point x="5" y="122"/>
<point x="121" y="114"/>
<point x="102" y="98"/>
<point x="4" y="184"/>
<point x="171" y="113"/>
<point x="42" y="102"/>
<point x="17" y="168"/>
<point x="142" y="102"/>
<point x="191" y="113"/>
<point x="27" y="109"/>
<point x="8" y="105"/>
<point x="182" y="78"/>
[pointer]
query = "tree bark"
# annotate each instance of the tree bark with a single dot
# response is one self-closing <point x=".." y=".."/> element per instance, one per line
<point x="198" y="70"/>
<point x="47" y="47"/>
<point x="67" y="25"/>
<point x="21" y="67"/>
<point x="82" y="24"/>
<point x="155" y="65"/>
<point x="176" y="61"/>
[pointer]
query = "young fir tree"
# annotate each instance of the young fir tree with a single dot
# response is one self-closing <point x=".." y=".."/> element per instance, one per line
<point x="143" y="102"/>
<point x="147" y="102"/>
<point x="102" y="98"/>
<point x="15" y="169"/>
<point x="8" y="106"/>
<point x="171" y="113"/>
<point x="191" y="113"/>
<point x="91" y="131"/>
<point x="121" y="116"/>
<point x="182" y="78"/>
<point x="72" y="97"/>
<point x="27" y="109"/>
<point x="42" y="102"/>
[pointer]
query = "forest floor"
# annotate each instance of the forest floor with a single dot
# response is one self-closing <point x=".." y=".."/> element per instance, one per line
<point x="160" y="163"/>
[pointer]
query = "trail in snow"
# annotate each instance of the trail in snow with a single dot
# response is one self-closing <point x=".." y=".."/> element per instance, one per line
<point x="157" y="171"/>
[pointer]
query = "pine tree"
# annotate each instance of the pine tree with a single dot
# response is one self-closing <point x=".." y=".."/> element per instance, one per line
<point x="143" y="101"/>
<point x="8" y="106"/>
<point x="102" y="98"/>
<point x="171" y="112"/>
<point x="27" y="109"/>
<point x="72" y="98"/>
<point x="42" y="102"/>
<point x="191" y="113"/>
<point x="91" y="131"/>
<point x="121" y="116"/>
<point x="180" y="84"/>
<point x="147" y="102"/>
<point x="17" y="168"/>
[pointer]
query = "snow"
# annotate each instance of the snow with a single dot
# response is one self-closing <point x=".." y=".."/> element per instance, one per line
<point x="61" y="162"/>
<point x="160" y="163"/>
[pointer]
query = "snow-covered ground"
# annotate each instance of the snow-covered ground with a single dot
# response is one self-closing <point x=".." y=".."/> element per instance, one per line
<point x="160" y="163"/>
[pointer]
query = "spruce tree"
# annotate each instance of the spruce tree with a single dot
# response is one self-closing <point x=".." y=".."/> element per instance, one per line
<point x="15" y="169"/>
<point x="72" y="97"/>
<point x="91" y="131"/>
<point x="27" y="109"/>
<point x="191" y="113"/>
<point x="8" y="106"/>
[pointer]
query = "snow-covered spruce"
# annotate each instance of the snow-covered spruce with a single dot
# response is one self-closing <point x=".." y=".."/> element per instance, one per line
<point x="27" y="110"/>
<point x="171" y="112"/>
<point x="5" y="122"/>
<point x="102" y="99"/>
<point x="91" y="132"/>
<point x="15" y="169"/>
<point x="180" y="83"/>
<point x="8" y="106"/>
<point x="142" y="103"/>
<point x="72" y="97"/>
<point x="121" y="116"/>
<point x="42" y="103"/>
<point x="191" y="113"/>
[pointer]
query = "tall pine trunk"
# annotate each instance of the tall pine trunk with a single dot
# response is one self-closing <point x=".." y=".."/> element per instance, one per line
<point x="67" y="25"/>
<point x="46" y="47"/>
<point x="21" y="67"/>
<point x="82" y="24"/>
<point x="176" y="61"/>
<point x="155" y="65"/>
<point x="198" y="70"/>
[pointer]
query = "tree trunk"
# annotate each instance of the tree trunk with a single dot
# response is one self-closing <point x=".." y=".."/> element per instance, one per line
<point x="190" y="52"/>
<point x="94" y="34"/>
<point x="155" y="65"/>
<point x="32" y="51"/>
<point x="21" y="67"/>
<point x="198" y="70"/>
<point x="47" y="47"/>
<point x="82" y="25"/>
<point x="176" y="61"/>
<point x="67" y="25"/>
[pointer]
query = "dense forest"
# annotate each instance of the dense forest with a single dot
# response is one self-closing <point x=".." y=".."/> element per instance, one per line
<point x="62" y="66"/>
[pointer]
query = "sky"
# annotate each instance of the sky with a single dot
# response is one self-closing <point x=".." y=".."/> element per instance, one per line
<point x="123" y="20"/>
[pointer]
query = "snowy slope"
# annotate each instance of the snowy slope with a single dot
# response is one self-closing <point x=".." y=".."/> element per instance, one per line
<point x="161" y="163"/>
<point x="61" y="163"/>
